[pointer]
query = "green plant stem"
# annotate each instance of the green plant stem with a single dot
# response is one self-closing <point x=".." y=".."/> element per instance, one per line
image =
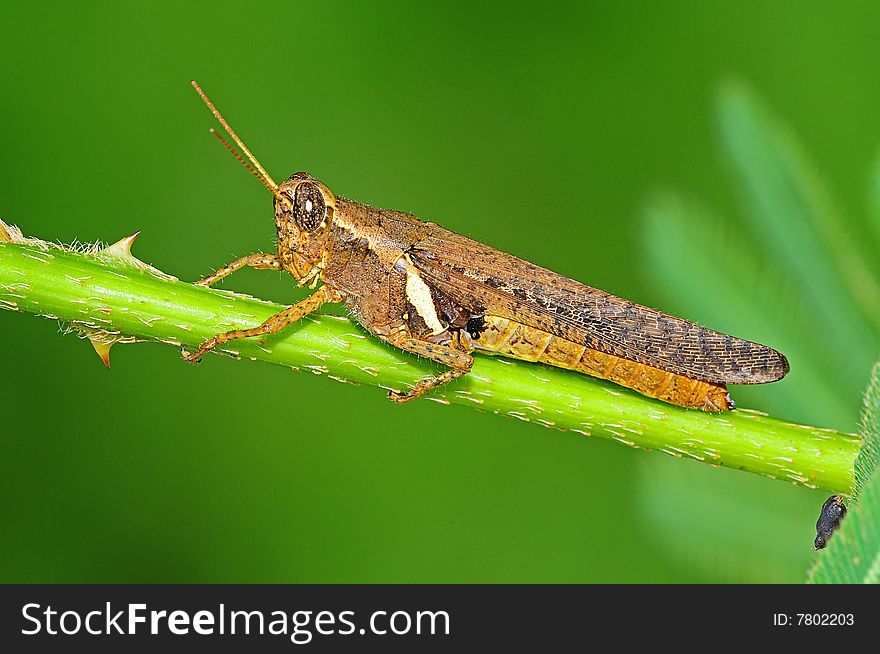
<point x="112" y="297"/>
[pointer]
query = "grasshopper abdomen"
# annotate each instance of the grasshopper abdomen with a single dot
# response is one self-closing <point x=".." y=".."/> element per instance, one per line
<point x="512" y="339"/>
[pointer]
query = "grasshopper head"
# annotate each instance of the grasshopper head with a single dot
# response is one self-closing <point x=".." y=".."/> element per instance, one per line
<point x="304" y="206"/>
<point x="304" y="210"/>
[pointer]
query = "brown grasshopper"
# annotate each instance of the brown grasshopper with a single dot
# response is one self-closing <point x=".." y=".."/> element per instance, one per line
<point x="432" y="292"/>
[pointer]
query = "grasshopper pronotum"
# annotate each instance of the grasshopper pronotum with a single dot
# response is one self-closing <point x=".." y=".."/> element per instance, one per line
<point x="440" y="295"/>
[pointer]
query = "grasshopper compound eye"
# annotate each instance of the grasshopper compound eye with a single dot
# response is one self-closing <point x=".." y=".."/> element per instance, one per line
<point x="309" y="207"/>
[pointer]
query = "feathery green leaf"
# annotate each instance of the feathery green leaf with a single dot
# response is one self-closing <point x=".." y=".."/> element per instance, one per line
<point x="853" y="554"/>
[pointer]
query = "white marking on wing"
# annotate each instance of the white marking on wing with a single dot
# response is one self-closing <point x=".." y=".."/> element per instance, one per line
<point x="419" y="295"/>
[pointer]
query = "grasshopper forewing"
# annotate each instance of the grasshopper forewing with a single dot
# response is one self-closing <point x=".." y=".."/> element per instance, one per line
<point x="440" y="295"/>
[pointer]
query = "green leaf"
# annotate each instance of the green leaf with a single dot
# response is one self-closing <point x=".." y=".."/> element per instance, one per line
<point x="853" y="555"/>
<point x="799" y="227"/>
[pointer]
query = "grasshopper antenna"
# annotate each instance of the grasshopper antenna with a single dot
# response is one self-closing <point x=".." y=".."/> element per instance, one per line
<point x="244" y="163"/>
<point x="258" y="171"/>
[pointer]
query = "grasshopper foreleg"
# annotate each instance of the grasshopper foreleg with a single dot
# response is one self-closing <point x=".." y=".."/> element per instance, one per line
<point x="259" y="261"/>
<point x="459" y="362"/>
<point x="272" y="324"/>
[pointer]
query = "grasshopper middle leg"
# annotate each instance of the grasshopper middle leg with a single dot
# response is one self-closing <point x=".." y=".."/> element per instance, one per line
<point x="259" y="261"/>
<point x="272" y="324"/>
<point x="459" y="362"/>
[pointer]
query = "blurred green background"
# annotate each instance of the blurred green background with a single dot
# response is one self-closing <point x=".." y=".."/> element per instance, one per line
<point x="543" y="130"/>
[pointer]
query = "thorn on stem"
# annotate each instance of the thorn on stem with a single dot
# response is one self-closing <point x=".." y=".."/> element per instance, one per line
<point x="121" y="249"/>
<point x="102" y="347"/>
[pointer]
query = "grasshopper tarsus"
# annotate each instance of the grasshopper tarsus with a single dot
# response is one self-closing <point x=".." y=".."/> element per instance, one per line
<point x="204" y="348"/>
<point x="190" y="357"/>
<point x="426" y="385"/>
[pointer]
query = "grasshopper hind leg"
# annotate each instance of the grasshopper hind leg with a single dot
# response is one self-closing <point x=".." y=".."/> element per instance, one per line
<point x="459" y="362"/>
